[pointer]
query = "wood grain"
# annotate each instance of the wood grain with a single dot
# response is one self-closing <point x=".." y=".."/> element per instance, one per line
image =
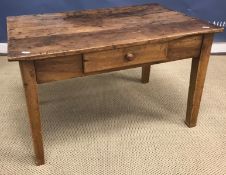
<point x="145" y="73"/>
<point x="185" y="47"/>
<point x="59" y="68"/>
<point x="31" y="92"/>
<point x="197" y="79"/>
<point x="109" y="59"/>
<point x="66" y="67"/>
<point x="49" y="35"/>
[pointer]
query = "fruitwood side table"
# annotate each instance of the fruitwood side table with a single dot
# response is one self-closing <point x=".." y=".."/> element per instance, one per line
<point x="60" y="46"/>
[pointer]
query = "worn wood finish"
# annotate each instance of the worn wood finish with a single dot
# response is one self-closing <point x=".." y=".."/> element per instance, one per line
<point x="185" y="47"/>
<point x="109" y="59"/>
<point x="58" y="75"/>
<point x="31" y="92"/>
<point x="60" y="46"/>
<point x="59" y="68"/>
<point x="145" y="73"/>
<point x="66" y="67"/>
<point x="197" y="79"/>
<point x="34" y="37"/>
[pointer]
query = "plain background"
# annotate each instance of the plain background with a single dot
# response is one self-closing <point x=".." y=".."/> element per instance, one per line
<point x="211" y="10"/>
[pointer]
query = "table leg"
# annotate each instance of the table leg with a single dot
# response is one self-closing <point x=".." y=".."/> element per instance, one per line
<point x="31" y="92"/>
<point x="197" y="79"/>
<point x="145" y="73"/>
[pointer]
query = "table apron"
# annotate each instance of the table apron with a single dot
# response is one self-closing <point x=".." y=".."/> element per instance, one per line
<point x="66" y="67"/>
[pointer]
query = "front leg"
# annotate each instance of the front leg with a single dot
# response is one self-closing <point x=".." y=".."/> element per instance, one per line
<point x="31" y="92"/>
<point x="197" y="79"/>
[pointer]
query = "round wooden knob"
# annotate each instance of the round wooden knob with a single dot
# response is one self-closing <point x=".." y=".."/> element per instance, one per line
<point x="130" y="56"/>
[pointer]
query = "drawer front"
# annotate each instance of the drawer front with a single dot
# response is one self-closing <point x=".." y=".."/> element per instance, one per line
<point x="123" y="57"/>
<point x="59" y="68"/>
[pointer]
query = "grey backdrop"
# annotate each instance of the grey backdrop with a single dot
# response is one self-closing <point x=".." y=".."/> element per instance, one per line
<point x="211" y="10"/>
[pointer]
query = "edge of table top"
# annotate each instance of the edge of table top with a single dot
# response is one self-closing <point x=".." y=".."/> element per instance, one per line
<point x="35" y="56"/>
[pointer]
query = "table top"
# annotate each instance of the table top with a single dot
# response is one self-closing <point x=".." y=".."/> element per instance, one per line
<point x="41" y="36"/>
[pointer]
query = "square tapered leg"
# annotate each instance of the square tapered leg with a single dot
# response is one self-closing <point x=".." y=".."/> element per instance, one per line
<point x="197" y="79"/>
<point x="31" y="92"/>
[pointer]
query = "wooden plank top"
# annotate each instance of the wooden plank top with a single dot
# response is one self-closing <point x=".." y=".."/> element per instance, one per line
<point x="32" y="37"/>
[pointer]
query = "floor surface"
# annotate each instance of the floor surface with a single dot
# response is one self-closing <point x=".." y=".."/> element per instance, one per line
<point x="113" y="124"/>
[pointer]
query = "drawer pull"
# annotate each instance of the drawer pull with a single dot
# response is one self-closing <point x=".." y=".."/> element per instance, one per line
<point x="130" y="56"/>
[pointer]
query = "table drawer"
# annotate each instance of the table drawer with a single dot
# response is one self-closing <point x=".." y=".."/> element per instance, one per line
<point x="58" y="68"/>
<point x="123" y="57"/>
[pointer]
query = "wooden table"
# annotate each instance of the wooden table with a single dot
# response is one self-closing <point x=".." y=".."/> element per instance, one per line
<point x="60" y="46"/>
